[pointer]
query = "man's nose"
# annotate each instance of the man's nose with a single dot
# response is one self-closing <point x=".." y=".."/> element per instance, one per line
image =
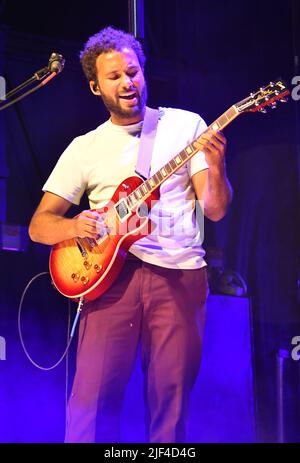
<point x="126" y="81"/>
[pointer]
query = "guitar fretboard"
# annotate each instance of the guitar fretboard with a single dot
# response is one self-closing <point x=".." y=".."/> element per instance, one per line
<point x="146" y="188"/>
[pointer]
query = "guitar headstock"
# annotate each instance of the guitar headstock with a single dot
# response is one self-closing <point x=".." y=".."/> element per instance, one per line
<point x="265" y="96"/>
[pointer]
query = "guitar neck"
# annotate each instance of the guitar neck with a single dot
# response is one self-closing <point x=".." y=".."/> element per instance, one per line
<point x="148" y="186"/>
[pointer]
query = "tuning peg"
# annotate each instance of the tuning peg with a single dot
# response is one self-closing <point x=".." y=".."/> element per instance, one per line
<point x="263" y="110"/>
<point x="273" y="105"/>
<point x="284" y="99"/>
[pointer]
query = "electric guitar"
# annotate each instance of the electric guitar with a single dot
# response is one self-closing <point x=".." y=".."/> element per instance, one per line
<point x="85" y="267"/>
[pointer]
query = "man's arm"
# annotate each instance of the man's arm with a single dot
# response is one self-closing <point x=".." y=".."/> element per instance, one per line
<point x="212" y="185"/>
<point x="49" y="226"/>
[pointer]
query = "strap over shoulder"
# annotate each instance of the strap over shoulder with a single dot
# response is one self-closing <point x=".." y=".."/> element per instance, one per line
<point x="146" y="142"/>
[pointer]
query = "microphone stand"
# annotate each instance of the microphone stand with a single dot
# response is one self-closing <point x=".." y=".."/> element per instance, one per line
<point x="40" y="74"/>
<point x="44" y="75"/>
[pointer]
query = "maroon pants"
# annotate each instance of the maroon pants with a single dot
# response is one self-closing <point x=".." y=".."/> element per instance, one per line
<point x="162" y="308"/>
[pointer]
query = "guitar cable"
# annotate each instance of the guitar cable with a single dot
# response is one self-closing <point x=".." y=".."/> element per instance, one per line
<point x="70" y="337"/>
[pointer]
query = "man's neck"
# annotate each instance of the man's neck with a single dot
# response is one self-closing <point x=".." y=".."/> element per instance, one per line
<point x="128" y="120"/>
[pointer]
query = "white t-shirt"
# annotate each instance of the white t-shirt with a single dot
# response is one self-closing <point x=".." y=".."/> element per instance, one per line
<point x="100" y="160"/>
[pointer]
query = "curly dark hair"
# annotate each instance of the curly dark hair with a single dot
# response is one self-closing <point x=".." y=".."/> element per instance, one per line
<point x="106" y="40"/>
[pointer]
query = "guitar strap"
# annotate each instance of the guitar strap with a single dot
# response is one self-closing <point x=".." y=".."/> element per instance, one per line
<point x="146" y="142"/>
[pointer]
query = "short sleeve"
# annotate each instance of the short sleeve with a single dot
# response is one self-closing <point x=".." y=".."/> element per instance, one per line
<point x="198" y="161"/>
<point x="66" y="179"/>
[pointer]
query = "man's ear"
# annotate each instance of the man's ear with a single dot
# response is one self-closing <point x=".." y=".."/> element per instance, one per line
<point x="94" y="88"/>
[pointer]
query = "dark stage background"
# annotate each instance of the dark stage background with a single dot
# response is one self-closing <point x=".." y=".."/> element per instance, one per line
<point x="204" y="57"/>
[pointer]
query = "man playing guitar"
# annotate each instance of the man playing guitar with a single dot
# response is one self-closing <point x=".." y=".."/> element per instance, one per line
<point x="158" y="298"/>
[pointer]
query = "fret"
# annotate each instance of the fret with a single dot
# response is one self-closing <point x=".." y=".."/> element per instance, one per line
<point x="159" y="175"/>
<point x="231" y="112"/>
<point x="148" y="185"/>
<point x="222" y="120"/>
<point x="130" y="200"/>
<point x="128" y="205"/>
<point x="144" y="188"/>
<point x="139" y="193"/>
<point x="189" y="150"/>
<point x="173" y="164"/>
<point x="152" y="182"/>
<point x="183" y="155"/>
<point x="178" y="160"/>
<point x="163" y="171"/>
<point x="168" y="168"/>
<point x="156" y="179"/>
<point x="215" y="126"/>
<point x="136" y="197"/>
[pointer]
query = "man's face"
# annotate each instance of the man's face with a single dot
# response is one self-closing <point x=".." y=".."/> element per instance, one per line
<point x="122" y="85"/>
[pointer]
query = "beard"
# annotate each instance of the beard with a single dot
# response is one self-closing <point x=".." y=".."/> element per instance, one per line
<point x="113" y="106"/>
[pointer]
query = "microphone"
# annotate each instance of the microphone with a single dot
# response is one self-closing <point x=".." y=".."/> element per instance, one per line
<point x="56" y="63"/>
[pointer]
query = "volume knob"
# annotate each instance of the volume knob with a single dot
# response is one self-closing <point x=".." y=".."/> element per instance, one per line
<point x="75" y="277"/>
<point x="87" y="264"/>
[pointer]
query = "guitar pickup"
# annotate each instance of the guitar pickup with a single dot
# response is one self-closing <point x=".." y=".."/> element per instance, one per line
<point x="81" y="248"/>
